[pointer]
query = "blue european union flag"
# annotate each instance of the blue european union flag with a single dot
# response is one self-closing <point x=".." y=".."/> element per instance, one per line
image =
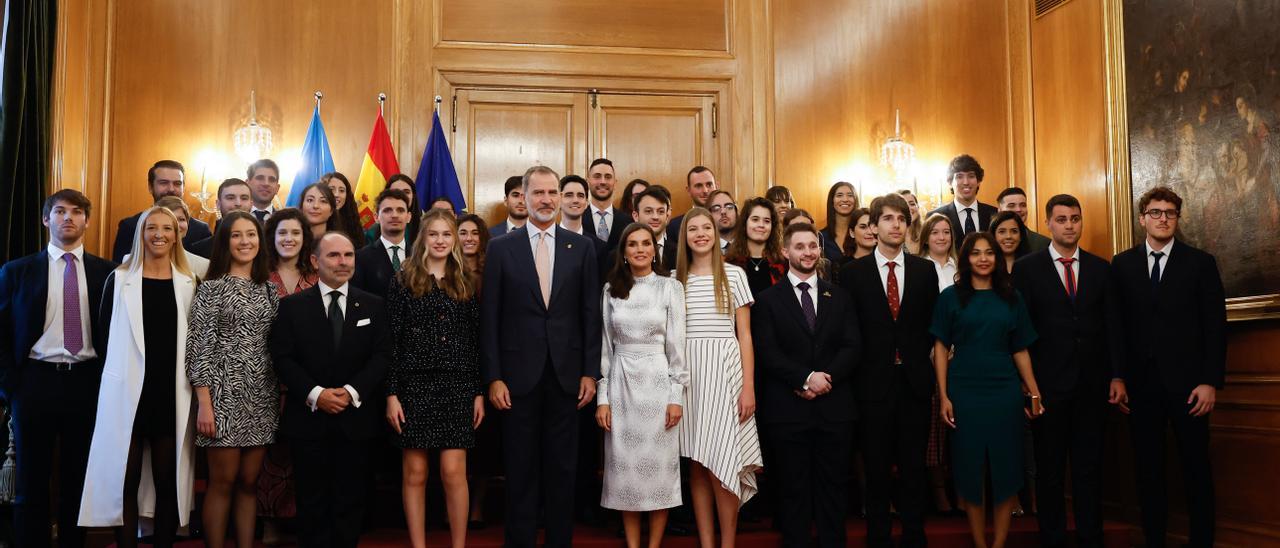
<point x="436" y="176"/>
<point x="316" y="159"/>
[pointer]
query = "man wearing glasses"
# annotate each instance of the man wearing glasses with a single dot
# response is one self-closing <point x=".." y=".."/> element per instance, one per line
<point x="1168" y="323"/>
<point x="726" y="215"/>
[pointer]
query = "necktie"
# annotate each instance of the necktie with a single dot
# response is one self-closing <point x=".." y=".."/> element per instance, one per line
<point x="895" y="304"/>
<point x="602" y="228"/>
<point x="806" y="305"/>
<point x="72" y="334"/>
<point x="892" y="291"/>
<point x="542" y="262"/>
<point x="335" y="316"/>
<point x="969" y="226"/>
<point x="395" y="258"/>
<point x="1069" y="276"/>
<point x="261" y="214"/>
<point x="1155" y="268"/>
<point x="511" y="228"/>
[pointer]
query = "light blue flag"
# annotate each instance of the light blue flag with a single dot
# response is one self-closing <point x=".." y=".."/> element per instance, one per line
<point x="436" y="176"/>
<point x="316" y="159"/>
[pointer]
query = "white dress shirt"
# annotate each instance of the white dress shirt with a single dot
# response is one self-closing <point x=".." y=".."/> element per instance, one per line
<point x="386" y="246"/>
<point x="550" y="235"/>
<point x="511" y="225"/>
<point x="946" y="273"/>
<point x="1164" y="261"/>
<point x="813" y="295"/>
<point x="269" y="209"/>
<point x="579" y="231"/>
<point x="960" y="214"/>
<point x="899" y="271"/>
<point x="1062" y="272"/>
<point x="314" y="396"/>
<point x="49" y="347"/>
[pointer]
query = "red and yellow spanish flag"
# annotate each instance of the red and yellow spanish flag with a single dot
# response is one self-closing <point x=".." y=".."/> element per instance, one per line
<point x="379" y="164"/>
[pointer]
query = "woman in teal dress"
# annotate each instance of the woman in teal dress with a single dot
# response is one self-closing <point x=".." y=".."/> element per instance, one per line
<point x="985" y="321"/>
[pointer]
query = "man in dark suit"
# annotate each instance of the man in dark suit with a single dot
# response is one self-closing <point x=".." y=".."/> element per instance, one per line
<point x="517" y="211"/>
<point x="165" y="178"/>
<point x="807" y="345"/>
<point x="263" y="177"/>
<point x="331" y="346"/>
<point x="380" y="260"/>
<point x="606" y="221"/>
<point x="894" y="293"/>
<point x="653" y="209"/>
<point x="1067" y="293"/>
<point x="1015" y="199"/>
<point x="1168" y="329"/>
<point x="701" y="183"/>
<point x="233" y="195"/>
<point x="50" y="367"/>
<point x="967" y="214"/>
<point x="540" y="356"/>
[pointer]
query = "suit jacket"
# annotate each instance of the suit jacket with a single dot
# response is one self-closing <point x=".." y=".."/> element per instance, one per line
<point x="1071" y="356"/>
<point x="1037" y="241"/>
<point x="882" y="336"/>
<point x="518" y="332"/>
<point x="673" y="235"/>
<point x="1175" y="333"/>
<point x="373" y="267"/>
<point x="787" y="351"/>
<point x="305" y="357"/>
<point x="985" y="213"/>
<point x="24" y="291"/>
<point x="620" y="221"/>
<point x="196" y="230"/>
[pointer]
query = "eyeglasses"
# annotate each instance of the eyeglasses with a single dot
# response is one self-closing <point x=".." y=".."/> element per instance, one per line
<point x="724" y="207"/>
<point x="1158" y="213"/>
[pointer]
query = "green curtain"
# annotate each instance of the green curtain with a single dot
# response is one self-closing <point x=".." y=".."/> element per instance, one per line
<point x="29" y="39"/>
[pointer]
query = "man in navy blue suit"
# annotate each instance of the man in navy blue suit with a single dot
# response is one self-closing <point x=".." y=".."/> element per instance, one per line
<point x="165" y="178"/>
<point x="540" y="356"/>
<point x="966" y="213"/>
<point x="50" y="367"/>
<point x="517" y="211"/>
<point x="1168" y="329"/>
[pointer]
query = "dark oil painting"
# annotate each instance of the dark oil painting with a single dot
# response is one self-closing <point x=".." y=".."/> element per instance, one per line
<point x="1202" y="81"/>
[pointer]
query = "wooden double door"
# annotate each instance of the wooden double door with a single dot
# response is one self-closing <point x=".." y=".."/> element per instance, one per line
<point x="658" y="138"/>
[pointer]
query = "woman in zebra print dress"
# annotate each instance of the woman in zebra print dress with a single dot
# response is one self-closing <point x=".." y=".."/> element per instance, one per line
<point x="718" y="433"/>
<point x="231" y="373"/>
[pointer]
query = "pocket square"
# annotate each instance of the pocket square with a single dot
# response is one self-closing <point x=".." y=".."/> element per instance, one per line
<point x="364" y="322"/>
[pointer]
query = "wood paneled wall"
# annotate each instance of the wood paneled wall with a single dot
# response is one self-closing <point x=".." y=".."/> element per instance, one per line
<point x="842" y="67"/>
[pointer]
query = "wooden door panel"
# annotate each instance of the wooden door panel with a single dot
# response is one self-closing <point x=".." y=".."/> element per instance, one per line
<point x="657" y="138"/>
<point x="504" y="133"/>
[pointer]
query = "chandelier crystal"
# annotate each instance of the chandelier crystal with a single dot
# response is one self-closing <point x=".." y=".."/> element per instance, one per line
<point x="252" y="141"/>
<point x="897" y="154"/>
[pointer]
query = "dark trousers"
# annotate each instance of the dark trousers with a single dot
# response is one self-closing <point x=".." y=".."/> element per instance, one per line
<point x="1073" y="427"/>
<point x="52" y="410"/>
<point x="330" y="475"/>
<point x="811" y="463"/>
<point x="895" y="430"/>
<point x="540" y="444"/>
<point x="1151" y="409"/>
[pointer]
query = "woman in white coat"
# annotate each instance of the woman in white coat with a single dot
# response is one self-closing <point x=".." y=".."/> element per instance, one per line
<point x="142" y="460"/>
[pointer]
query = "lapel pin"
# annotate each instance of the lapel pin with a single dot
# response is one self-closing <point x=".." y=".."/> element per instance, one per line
<point x="826" y="293"/>
<point x="357" y="303"/>
<point x="568" y="246"/>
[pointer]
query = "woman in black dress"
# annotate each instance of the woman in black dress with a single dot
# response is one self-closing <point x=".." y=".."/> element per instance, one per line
<point x="757" y="245"/>
<point x="434" y="395"/>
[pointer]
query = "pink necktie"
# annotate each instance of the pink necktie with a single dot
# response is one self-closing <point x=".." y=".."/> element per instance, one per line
<point x="542" y="262"/>
<point x="72" y="335"/>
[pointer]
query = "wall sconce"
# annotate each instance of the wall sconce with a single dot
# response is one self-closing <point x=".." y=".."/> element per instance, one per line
<point x="897" y="154"/>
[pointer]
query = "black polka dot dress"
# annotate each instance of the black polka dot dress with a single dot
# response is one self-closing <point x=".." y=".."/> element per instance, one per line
<point x="435" y="367"/>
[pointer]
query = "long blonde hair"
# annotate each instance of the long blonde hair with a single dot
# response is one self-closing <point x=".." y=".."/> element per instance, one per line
<point x="458" y="282"/>
<point x="684" y="260"/>
<point x="177" y="256"/>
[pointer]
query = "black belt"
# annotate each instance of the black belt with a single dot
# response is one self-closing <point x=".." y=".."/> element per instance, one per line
<point x="62" y="366"/>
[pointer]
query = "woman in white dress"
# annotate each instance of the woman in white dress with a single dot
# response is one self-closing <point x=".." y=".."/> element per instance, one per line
<point x="640" y="397"/>
<point x="718" y="434"/>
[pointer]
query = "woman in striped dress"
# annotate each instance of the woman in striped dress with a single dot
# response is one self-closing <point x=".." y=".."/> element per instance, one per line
<point x="718" y="434"/>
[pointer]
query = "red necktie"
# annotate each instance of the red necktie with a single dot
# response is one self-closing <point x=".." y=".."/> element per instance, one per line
<point x="1070" y="276"/>
<point x="894" y="303"/>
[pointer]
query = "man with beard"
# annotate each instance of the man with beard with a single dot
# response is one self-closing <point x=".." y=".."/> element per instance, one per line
<point x="607" y="221"/>
<point x="700" y="183"/>
<point x="165" y="178"/>
<point x="517" y="211"/>
<point x="725" y="213"/>
<point x="540" y="357"/>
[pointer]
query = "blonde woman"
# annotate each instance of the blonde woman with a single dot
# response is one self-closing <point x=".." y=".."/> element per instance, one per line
<point x="434" y="395"/>
<point x="199" y="265"/>
<point x="144" y="403"/>
<point x="718" y="433"/>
